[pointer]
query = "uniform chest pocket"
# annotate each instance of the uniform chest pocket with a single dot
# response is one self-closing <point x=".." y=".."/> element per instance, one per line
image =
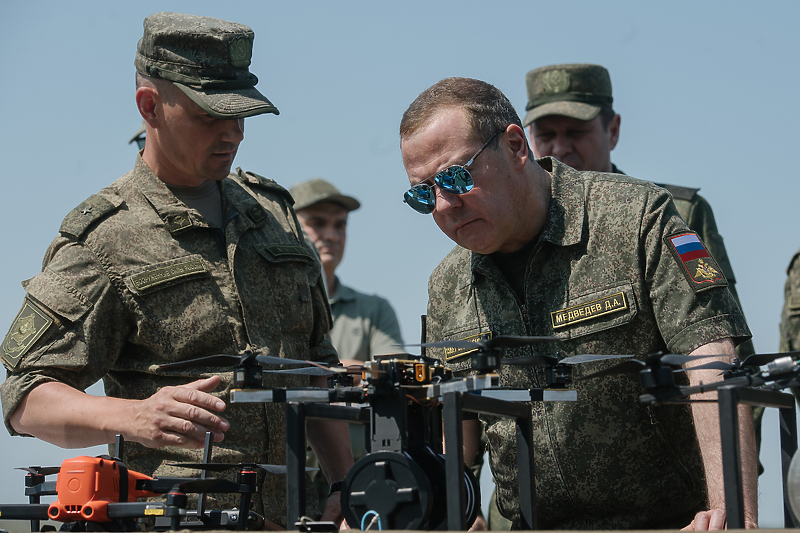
<point x="595" y="311"/>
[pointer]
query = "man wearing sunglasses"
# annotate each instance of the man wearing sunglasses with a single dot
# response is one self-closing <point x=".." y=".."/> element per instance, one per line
<point x="603" y="262"/>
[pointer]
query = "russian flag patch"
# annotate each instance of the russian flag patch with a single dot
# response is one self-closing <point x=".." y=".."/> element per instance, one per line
<point x="700" y="269"/>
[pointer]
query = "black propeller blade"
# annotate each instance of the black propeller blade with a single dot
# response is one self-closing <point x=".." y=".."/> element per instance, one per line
<point x="41" y="470"/>
<point x="221" y="467"/>
<point x="508" y="341"/>
<point x="547" y="360"/>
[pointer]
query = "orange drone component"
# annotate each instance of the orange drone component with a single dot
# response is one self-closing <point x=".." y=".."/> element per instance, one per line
<point x="86" y="485"/>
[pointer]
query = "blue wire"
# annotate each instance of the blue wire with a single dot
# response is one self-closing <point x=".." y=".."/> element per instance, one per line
<point x="370" y="513"/>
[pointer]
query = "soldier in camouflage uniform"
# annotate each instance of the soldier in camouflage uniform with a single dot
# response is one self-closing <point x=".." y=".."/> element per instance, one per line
<point x="603" y="262"/>
<point x="790" y="317"/>
<point x="178" y="259"/>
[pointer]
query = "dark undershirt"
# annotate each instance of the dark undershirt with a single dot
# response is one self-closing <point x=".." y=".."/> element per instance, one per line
<point x="206" y="199"/>
<point x="513" y="266"/>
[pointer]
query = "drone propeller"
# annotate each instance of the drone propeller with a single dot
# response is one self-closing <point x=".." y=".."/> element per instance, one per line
<point x="41" y="470"/>
<point x="232" y="360"/>
<point x="751" y="361"/>
<point x="548" y="360"/>
<point x="634" y="366"/>
<point x="508" y="341"/>
<point x="221" y="467"/>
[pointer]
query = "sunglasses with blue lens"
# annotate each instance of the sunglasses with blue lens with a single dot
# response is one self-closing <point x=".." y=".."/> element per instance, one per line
<point x="455" y="179"/>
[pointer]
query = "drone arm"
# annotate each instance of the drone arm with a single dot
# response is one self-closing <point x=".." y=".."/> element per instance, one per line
<point x="706" y="419"/>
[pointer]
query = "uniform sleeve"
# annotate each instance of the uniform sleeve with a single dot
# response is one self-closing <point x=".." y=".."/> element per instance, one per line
<point x="320" y="347"/>
<point x="86" y="327"/>
<point x="385" y="335"/>
<point x="790" y="317"/>
<point x="689" y="294"/>
<point x="700" y="218"/>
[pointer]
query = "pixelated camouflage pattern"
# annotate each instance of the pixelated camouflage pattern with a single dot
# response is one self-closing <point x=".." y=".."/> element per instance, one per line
<point x="207" y="58"/>
<point x="790" y="316"/>
<point x="574" y="90"/>
<point x="249" y="296"/>
<point x="606" y="461"/>
<point x="699" y="216"/>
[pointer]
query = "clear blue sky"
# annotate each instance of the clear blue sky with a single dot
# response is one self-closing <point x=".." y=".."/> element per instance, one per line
<point x="707" y="92"/>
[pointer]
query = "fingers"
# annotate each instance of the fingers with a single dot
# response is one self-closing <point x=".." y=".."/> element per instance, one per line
<point x="180" y="416"/>
<point x="713" y="520"/>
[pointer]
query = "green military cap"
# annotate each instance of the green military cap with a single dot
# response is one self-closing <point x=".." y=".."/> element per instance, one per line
<point x="207" y="59"/>
<point x="575" y="90"/>
<point x="317" y="190"/>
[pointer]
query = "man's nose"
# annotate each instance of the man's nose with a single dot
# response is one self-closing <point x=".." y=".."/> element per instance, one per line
<point x="234" y="131"/>
<point x="561" y="146"/>
<point x="446" y="201"/>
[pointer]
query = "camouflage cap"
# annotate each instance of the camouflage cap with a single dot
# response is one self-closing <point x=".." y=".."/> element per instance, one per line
<point x="207" y="59"/>
<point x="575" y="90"/>
<point x="317" y="190"/>
<point x="139" y="133"/>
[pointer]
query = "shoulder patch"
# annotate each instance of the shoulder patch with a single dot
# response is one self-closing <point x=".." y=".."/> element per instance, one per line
<point x="678" y="192"/>
<point x="700" y="269"/>
<point x="251" y="178"/>
<point x="87" y="213"/>
<point x="27" y="328"/>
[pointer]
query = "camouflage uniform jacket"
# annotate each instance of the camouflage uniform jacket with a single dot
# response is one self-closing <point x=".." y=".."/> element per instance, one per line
<point x="363" y="324"/>
<point x="790" y="317"/>
<point x="697" y="212"/>
<point x="136" y="279"/>
<point x="602" y="278"/>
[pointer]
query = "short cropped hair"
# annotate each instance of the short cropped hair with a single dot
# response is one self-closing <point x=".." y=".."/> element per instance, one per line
<point x="487" y="109"/>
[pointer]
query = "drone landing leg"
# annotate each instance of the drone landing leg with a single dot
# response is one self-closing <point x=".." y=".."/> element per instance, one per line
<point x="732" y="467"/>
<point x="201" y="498"/>
<point x="295" y="461"/>
<point x="454" y="466"/>
<point x="788" y="429"/>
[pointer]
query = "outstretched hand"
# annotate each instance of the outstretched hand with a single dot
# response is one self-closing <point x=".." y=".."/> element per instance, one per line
<point x="178" y="416"/>
<point x="713" y="520"/>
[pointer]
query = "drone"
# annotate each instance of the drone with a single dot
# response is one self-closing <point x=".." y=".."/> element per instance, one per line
<point x="404" y="481"/>
<point x="102" y="491"/>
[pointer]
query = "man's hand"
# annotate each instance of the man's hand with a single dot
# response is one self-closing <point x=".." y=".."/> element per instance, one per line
<point x="174" y="416"/>
<point x="713" y="520"/>
<point x="332" y="512"/>
<point x="178" y="416"/>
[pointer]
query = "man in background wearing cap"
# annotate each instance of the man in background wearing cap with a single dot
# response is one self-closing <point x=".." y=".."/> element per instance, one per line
<point x="364" y="325"/>
<point x="178" y="259"/>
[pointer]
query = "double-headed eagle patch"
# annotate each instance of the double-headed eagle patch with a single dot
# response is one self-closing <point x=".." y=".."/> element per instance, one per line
<point x="700" y="269"/>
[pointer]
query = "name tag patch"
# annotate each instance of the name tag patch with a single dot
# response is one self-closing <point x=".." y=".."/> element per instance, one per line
<point x="579" y="313"/>
<point x="699" y="268"/>
<point x="28" y="327"/>
<point x="157" y="276"/>
<point x="453" y="353"/>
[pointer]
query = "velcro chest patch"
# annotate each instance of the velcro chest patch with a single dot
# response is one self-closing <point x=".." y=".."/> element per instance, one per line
<point x="699" y="268"/>
<point x="455" y="353"/>
<point x="586" y="311"/>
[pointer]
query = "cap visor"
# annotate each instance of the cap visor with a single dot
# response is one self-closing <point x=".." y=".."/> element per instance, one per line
<point x="227" y="104"/>
<point x="577" y="110"/>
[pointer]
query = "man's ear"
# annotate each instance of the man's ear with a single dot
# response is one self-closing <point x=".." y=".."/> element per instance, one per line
<point x="518" y="145"/>
<point x="146" y="101"/>
<point x="613" y="131"/>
